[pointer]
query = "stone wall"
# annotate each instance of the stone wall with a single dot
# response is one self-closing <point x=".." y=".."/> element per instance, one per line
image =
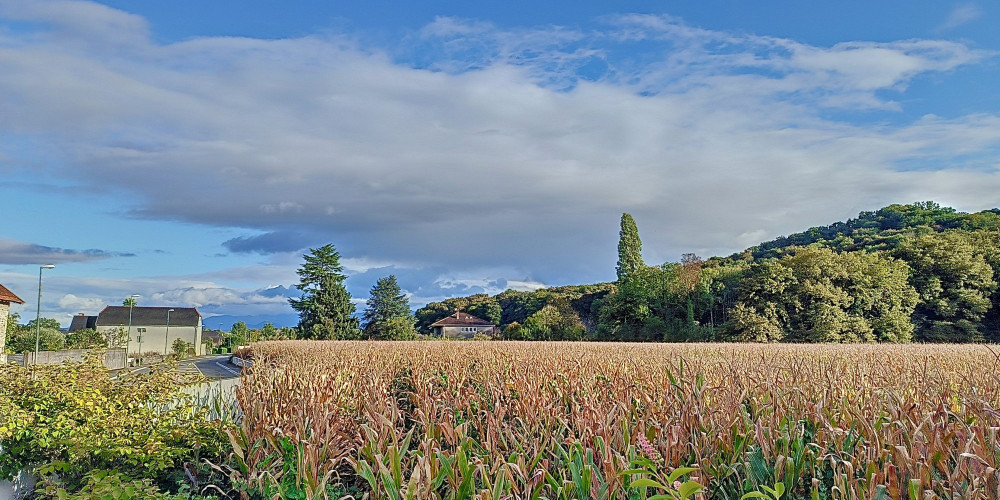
<point x="4" y="311"/>
<point x="113" y="359"/>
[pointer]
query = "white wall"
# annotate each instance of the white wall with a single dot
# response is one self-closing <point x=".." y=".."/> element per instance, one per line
<point x="156" y="339"/>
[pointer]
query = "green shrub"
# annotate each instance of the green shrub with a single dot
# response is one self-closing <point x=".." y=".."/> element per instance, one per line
<point x="70" y="419"/>
<point x="23" y="340"/>
<point x="110" y="485"/>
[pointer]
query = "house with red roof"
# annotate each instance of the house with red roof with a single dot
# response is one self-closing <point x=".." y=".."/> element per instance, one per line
<point x="7" y="298"/>
<point x="462" y="325"/>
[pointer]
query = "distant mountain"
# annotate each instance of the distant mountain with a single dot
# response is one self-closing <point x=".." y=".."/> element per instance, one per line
<point x="256" y="321"/>
<point x="280" y="291"/>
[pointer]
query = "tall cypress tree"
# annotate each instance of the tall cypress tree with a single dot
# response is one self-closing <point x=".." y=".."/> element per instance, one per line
<point x="388" y="313"/>
<point x="325" y="308"/>
<point x="629" y="248"/>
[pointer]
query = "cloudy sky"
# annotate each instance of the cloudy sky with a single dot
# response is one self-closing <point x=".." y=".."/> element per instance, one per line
<point x="190" y="151"/>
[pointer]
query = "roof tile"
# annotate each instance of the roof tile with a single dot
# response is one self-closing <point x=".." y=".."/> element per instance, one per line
<point x="8" y="296"/>
<point x="461" y="319"/>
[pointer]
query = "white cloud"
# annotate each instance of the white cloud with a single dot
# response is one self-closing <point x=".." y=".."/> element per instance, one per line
<point x="91" y="305"/>
<point x="20" y="252"/>
<point x="491" y="148"/>
<point x="65" y="296"/>
<point x="960" y="15"/>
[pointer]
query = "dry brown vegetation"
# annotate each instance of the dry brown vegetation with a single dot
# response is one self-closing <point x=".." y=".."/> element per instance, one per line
<point x="565" y="420"/>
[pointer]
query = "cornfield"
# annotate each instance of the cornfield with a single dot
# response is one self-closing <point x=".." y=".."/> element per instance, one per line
<point x="511" y="420"/>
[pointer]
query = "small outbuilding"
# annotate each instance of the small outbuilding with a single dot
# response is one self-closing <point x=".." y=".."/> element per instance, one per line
<point x="462" y="326"/>
<point x="7" y="298"/>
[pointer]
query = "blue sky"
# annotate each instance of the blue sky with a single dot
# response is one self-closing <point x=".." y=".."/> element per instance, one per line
<point x="191" y="151"/>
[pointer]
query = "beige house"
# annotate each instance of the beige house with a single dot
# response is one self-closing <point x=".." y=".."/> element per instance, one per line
<point x="462" y="326"/>
<point x="6" y="297"/>
<point x="149" y="332"/>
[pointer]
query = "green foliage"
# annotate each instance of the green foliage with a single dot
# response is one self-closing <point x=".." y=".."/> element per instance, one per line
<point x="656" y="304"/>
<point x="23" y="340"/>
<point x="239" y="334"/>
<point x="116" y="337"/>
<point x="818" y="295"/>
<point x="646" y="475"/>
<point x="904" y="272"/>
<point x="73" y="419"/>
<point x="181" y="348"/>
<point x="86" y="338"/>
<point x="883" y="229"/>
<point x="110" y="485"/>
<point x="955" y="284"/>
<point x="555" y="321"/>
<point x="269" y="332"/>
<point x="325" y="308"/>
<point x="12" y="326"/>
<point x="45" y="322"/>
<point x="629" y="248"/>
<point x="388" y="313"/>
<point x="273" y="467"/>
<point x="129" y="302"/>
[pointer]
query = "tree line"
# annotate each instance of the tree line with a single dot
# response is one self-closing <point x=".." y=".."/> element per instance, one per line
<point x="21" y="338"/>
<point x="904" y="273"/>
<point x="918" y="272"/>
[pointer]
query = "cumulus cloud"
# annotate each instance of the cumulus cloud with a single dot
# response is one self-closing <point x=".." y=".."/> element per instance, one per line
<point x="91" y="305"/>
<point x="486" y="148"/>
<point x="19" y="252"/>
<point x="65" y="296"/>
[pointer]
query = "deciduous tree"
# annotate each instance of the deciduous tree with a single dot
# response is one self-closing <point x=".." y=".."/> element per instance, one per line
<point x="819" y="295"/>
<point x="955" y="284"/>
<point x="629" y="248"/>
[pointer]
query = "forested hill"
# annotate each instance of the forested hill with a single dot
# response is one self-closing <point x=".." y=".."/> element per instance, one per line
<point x="918" y="272"/>
<point x="882" y="229"/>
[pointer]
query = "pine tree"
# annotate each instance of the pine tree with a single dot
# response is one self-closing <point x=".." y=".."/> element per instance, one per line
<point x="325" y="308"/>
<point x="388" y="313"/>
<point x="629" y="248"/>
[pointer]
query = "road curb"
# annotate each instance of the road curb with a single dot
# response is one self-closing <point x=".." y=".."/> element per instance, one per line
<point x="240" y="362"/>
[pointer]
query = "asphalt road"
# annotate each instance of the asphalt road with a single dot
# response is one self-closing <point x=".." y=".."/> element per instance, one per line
<point x="215" y="367"/>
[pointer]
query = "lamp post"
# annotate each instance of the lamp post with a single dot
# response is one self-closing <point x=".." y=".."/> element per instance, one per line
<point x="166" y="337"/>
<point x="38" y="313"/>
<point x="131" y="304"/>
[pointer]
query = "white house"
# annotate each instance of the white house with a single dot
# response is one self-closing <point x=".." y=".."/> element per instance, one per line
<point x="150" y="331"/>
<point x="6" y="297"/>
<point x="462" y="325"/>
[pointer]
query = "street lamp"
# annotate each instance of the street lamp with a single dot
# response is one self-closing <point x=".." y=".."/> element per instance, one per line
<point x="166" y="336"/>
<point x="38" y="314"/>
<point x="128" y="339"/>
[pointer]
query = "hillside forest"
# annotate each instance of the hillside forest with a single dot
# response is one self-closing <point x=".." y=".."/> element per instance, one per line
<point x="905" y="273"/>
